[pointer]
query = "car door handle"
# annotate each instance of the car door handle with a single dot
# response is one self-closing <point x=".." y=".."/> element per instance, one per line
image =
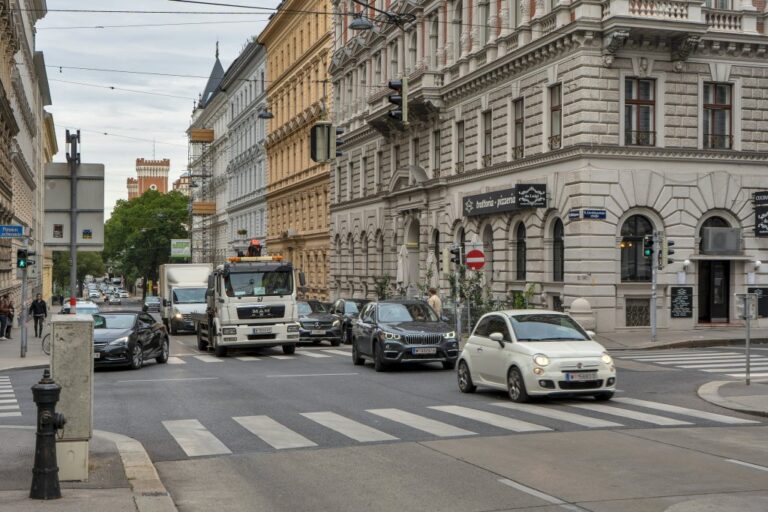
<point x="479" y="349"/>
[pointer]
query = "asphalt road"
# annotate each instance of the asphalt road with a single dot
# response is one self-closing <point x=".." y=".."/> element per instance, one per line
<point x="263" y="431"/>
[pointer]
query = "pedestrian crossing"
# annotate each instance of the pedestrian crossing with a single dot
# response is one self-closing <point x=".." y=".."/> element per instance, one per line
<point x="311" y="429"/>
<point x="732" y="364"/>
<point x="9" y="405"/>
<point x="300" y="354"/>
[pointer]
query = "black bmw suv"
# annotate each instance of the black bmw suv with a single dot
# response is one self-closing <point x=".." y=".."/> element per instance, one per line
<point x="401" y="331"/>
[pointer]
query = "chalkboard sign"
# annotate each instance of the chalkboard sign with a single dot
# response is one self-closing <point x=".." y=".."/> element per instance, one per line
<point x="762" y="301"/>
<point x="682" y="302"/>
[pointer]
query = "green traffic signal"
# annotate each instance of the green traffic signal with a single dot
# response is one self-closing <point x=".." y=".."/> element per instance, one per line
<point x="648" y="246"/>
<point x="21" y="258"/>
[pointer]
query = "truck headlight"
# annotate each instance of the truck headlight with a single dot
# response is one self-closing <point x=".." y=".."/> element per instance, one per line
<point x="293" y="328"/>
<point x="229" y="330"/>
<point x="541" y="359"/>
<point x="119" y="342"/>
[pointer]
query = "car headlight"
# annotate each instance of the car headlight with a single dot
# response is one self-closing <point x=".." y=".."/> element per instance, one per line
<point x="541" y="360"/>
<point x="449" y="335"/>
<point x="293" y="328"/>
<point x="606" y="358"/>
<point x="119" y="342"/>
<point x="389" y="336"/>
<point x="336" y="323"/>
<point x="229" y="330"/>
<point x="177" y="315"/>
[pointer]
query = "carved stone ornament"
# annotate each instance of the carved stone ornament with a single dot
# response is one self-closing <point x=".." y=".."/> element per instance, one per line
<point x="613" y="42"/>
<point x="682" y="48"/>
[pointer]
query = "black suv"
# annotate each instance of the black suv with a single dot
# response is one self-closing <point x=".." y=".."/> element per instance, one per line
<point x="347" y="310"/>
<point x="317" y="323"/>
<point x="400" y="331"/>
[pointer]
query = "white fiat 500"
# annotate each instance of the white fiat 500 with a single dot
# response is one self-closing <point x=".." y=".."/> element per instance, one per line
<point x="535" y="353"/>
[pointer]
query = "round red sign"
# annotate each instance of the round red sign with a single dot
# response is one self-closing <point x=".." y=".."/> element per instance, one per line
<point x="475" y="259"/>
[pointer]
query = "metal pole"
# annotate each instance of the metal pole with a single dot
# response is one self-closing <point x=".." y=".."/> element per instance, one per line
<point x="74" y="160"/>
<point x="654" y="272"/>
<point x="23" y="315"/>
<point x="747" y="315"/>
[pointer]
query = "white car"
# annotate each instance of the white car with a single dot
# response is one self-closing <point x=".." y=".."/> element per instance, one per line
<point x="114" y="299"/>
<point x="535" y="353"/>
<point x="123" y="294"/>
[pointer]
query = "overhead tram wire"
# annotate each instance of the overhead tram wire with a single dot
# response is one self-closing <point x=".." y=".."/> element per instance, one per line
<point x="100" y="132"/>
<point x="153" y="25"/>
<point x="122" y="89"/>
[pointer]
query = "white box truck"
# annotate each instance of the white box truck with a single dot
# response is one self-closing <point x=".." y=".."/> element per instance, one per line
<point x="182" y="290"/>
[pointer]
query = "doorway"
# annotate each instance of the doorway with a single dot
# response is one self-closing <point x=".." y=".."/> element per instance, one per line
<point x="714" y="291"/>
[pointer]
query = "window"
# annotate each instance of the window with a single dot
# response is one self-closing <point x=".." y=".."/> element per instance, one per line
<point x="436" y="153"/>
<point x="436" y="251"/>
<point x="639" y="107"/>
<point x="363" y="175"/>
<point x="415" y="151"/>
<point x="555" y="116"/>
<point x="433" y="42"/>
<point x="718" y="102"/>
<point x="485" y="23"/>
<point x="412" y="55"/>
<point x="349" y="181"/>
<point x="395" y="158"/>
<point x="519" y="133"/>
<point x="487" y="138"/>
<point x="723" y="5"/>
<point x="377" y="69"/>
<point x="558" y="250"/>
<point x="457" y="28"/>
<point x="521" y="256"/>
<point x="634" y="265"/>
<point x="497" y="324"/>
<point x="460" y="146"/>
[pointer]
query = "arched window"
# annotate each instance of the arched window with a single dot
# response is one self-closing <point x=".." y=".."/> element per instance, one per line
<point x="558" y="250"/>
<point x="521" y="256"/>
<point x="635" y="266"/>
<point x="488" y="250"/>
<point x="380" y="252"/>
<point x="457" y="28"/>
<point x="364" y="251"/>
<point x="712" y="222"/>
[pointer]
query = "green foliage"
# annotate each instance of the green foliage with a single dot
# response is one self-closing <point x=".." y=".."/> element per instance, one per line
<point x="425" y="286"/>
<point x="137" y="235"/>
<point x="382" y="286"/>
<point x="87" y="263"/>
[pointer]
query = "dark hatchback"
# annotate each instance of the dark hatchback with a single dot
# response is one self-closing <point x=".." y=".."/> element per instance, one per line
<point x="347" y="311"/>
<point x="152" y="303"/>
<point x="402" y="331"/>
<point x="317" y="324"/>
<point x="128" y="339"/>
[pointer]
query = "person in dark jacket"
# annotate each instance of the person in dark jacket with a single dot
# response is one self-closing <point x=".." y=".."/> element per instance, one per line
<point x="5" y="312"/>
<point x="39" y="311"/>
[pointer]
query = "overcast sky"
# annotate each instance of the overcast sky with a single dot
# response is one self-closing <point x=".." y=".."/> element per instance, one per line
<point x="127" y="116"/>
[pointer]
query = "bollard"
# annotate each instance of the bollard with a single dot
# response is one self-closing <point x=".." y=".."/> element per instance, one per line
<point x="45" y="474"/>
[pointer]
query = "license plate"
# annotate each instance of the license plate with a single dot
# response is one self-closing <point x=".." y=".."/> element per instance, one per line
<point x="97" y="355"/>
<point x="317" y="332"/>
<point x="422" y="351"/>
<point x="261" y="330"/>
<point x="580" y="376"/>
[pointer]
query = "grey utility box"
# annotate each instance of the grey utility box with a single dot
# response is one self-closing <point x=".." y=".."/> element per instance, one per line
<point x="72" y="369"/>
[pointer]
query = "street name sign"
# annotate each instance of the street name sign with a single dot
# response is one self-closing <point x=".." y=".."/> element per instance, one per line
<point x="11" y="231"/>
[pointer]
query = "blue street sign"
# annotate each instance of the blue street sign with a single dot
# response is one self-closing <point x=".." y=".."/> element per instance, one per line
<point x="594" y="214"/>
<point x="11" y="231"/>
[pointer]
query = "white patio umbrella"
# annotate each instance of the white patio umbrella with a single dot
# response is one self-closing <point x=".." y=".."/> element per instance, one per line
<point x="402" y="264"/>
<point x="432" y="266"/>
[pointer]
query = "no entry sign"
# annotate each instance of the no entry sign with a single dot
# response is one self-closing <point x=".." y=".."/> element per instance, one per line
<point x="475" y="259"/>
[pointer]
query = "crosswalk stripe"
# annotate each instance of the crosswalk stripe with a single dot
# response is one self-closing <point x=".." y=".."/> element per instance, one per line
<point x="338" y="352"/>
<point x="6" y="386"/>
<point x="348" y="427"/>
<point x="209" y="359"/>
<point x="627" y="413"/>
<point x="754" y="361"/>
<point x="688" y="355"/>
<point x="6" y="394"/>
<point x="738" y="369"/>
<point x="273" y="433"/>
<point x="687" y="358"/>
<point x="490" y="418"/>
<point x="283" y="357"/>
<point x="313" y="354"/>
<point x="684" y="411"/>
<point x="434" y="427"/>
<point x="176" y="360"/>
<point x="569" y="417"/>
<point x="9" y="414"/>
<point x="9" y="401"/>
<point x="247" y="358"/>
<point x="676" y="362"/>
<point x="194" y="438"/>
<point x="743" y="375"/>
<point x="9" y="407"/>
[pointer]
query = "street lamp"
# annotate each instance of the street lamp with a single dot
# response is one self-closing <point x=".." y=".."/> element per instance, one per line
<point x="265" y="114"/>
<point x="360" y="23"/>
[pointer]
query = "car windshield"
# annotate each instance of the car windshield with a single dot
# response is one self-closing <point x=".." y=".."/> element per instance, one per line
<point x="307" y="308"/>
<point x="107" y="321"/>
<point x="81" y="310"/>
<point x="543" y="327"/>
<point x="258" y="284"/>
<point x="416" y="312"/>
<point x="189" y="295"/>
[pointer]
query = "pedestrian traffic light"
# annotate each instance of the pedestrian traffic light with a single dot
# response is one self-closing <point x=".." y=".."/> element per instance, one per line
<point x="666" y="252"/>
<point x="21" y="258"/>
<point x="456" y="255"/>
<point x="648" y="246"/>
<point x="400" y="98"/>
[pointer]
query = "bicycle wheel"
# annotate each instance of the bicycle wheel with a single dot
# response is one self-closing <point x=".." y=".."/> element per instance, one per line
<point x="47" y="344"/>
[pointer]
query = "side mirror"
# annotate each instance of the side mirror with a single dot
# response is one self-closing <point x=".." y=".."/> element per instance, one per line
<point x="443" y="318"/>
<point x="591" y="334"/>
<point x="497" y="337"/>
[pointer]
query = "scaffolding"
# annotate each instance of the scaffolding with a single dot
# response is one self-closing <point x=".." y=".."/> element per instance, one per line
<point x="202" y="205"/>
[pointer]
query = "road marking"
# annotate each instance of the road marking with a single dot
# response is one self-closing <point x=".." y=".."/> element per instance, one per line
<point x="348" y="427"/>
<point x="9" y="414"/>
<point x="569" y="417"/>
<point x="680" y="355"/>
<point x="282" y="357"/>
<point x="9" y="407"/>
<point x="751" y="374"/>
<point x="540" y="495"/>
<point x="747" y="464"/>
<point x="273" y="433"/>
<point x="194" y="438"/>
<point x="247" y="358"/>
<point x="312" y="375"/>
<point x="209" y="359"/>
<point x="626" y="413"/>
<point x="702" y="361"/>
<point x="725" y="364"/>
<point x="434" y="427"/>
<point x="312" y="354"/>
<point x="720" y="418"/>
<point x="176" y="360"/>
<point x="10" y="401"/>
<point x="490" y="418"/>
<point x="6" y="394"/>
<point x="167" y="380"/>
<point x="742" y="368"/>
<point x="339" y="352"/>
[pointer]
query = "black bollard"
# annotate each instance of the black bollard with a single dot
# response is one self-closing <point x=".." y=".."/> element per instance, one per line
<point x="45" y="474"/>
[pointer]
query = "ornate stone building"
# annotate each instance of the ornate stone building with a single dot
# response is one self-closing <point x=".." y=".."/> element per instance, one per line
<point x="150" y="175"/>
<point x="298" y="56"/>
<point x="557" y="135"/>
<point x="181" y="184"/>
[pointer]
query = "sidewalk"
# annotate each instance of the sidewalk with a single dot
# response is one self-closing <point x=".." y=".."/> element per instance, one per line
<point x="10" y="350"/>
<point x="665" y="338"/>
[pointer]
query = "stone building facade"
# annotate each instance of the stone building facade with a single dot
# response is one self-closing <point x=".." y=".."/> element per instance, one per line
<point x="150" y="175"/>
<point x="298" y="55"/>
<point x="630" y="117"/>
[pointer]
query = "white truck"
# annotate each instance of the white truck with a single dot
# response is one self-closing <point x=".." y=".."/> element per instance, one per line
<point x="182" y="289"/>
<point x="251" y="302"/>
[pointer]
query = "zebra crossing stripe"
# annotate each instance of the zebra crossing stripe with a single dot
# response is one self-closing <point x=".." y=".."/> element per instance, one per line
<point x="751" y="375"/>
<point x="703" y="359"/>
<point x="194" y="438"/>
<point x="283" y="357"/>
<point x="741" y="368"/>
<point x="685" y="355"/>
<point x="176" y="360"/>
<point x="677" y="362"/>
<point x="725" y="364"/>
<point x="627" y="413"/>
<point x="9" y="407"/>
<point x="490" y="418"/>
<point x="348" y="427"/>
<point x="247" y="358"/>
<point x="684" y="411"/>
<point x="434" y="427"/>
<point x="208" y="359"/>
<point x="9" y="414"/>
<point x="9" y="401"/>
<point x="339" y="352"/>
<point x="568" y="417"/>
<point x="313" y="354"/>
<point x="273" y="433"/>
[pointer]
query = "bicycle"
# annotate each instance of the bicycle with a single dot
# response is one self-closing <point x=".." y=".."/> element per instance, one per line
<point x="47" y="344"/>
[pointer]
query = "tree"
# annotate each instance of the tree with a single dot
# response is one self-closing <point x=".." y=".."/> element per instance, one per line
<point x="88" y="263"/>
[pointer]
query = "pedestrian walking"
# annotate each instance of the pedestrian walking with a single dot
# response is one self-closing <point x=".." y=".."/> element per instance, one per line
<point x="435" y="302"/>
<point x="11" y="317"/>
<point x="39" y="311"/>
<point x="5" y="311"/>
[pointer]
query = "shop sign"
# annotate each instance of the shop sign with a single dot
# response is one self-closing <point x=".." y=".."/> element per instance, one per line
<point x="761" y="221"/>
<point x="531" y="196"/>
<point x="682" y="302"/>
<point x="760" y="198"/>
<point x="507" y="200"/>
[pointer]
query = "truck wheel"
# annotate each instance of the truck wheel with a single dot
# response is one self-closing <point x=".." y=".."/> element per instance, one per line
<point x="289" y="349"/>
<point x="218" y="350"/>
<point x="201" y="344"/>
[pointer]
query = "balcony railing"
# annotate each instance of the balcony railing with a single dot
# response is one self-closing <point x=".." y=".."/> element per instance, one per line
<point x="714" y="141"/>
<point x="459" y="167"/>
<point x="726" y="21"/>
<point x="664" y="9"/>
<point x="639" y="138"/>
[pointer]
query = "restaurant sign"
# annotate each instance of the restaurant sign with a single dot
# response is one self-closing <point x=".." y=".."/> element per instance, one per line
<point x="511" y="199"/>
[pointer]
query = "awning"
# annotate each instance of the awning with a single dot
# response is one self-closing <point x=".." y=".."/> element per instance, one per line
<point x="721" y="257"/>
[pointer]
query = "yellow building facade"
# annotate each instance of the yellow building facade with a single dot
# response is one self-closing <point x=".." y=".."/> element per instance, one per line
<point x="299" y="49"/>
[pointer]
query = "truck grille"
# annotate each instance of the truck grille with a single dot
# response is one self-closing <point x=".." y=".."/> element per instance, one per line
<point x="255" y="337"/>
<point x="187" y="317"/>
<point x="259" y="312"/>
<point x="422" y="339"/>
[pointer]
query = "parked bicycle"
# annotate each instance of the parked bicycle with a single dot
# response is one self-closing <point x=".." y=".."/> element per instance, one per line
<point x="47" y="344"/>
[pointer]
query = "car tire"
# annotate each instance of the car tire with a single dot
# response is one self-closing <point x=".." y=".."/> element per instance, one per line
<point x="316" y="342"/>
<point x="356" y="359"/>
<point x="137" y="357"/>
<point x="335" y="343"/>
<point x="449" y="365"/>
<point x="516" y="386"/>
<point x="347" y="336"/>
<point x="604" y="397"/>
<point x="289" y="349"/>
<point x="465" y="378"/>
<point x="378" y="359"/>
<point x="165" y="351"/>
<point x="202" y="345"/>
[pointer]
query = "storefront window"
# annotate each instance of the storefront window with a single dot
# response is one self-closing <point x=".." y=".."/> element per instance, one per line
<point x="635" y="266"/>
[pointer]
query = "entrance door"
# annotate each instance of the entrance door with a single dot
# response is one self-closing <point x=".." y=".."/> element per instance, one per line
<point x="714" y="291"/>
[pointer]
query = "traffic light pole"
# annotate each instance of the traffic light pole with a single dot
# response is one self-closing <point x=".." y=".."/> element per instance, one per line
<point x="654" y="277"/>
<point x="23" y="313"/>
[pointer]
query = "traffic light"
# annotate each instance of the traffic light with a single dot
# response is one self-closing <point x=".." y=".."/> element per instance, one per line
<point x="648" y="246"/>
<point x="320" y="142"/>
<point x="22" y="256"/>
<point x="456" y="255"/>
<point x="666" y="252"/>
<point x="400" y="98"/>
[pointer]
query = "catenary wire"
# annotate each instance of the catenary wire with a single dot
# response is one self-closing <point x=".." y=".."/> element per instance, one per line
<point x="153" y="25"/>
<point x="122" y="89"/>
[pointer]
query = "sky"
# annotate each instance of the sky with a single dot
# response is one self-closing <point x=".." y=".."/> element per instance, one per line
<point x="134" y="120"/>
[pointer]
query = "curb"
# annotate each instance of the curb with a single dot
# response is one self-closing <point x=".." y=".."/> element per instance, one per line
<point x="711" y="393"/>
<point x="688" y="344"/>
<point x="23" y="367"/>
